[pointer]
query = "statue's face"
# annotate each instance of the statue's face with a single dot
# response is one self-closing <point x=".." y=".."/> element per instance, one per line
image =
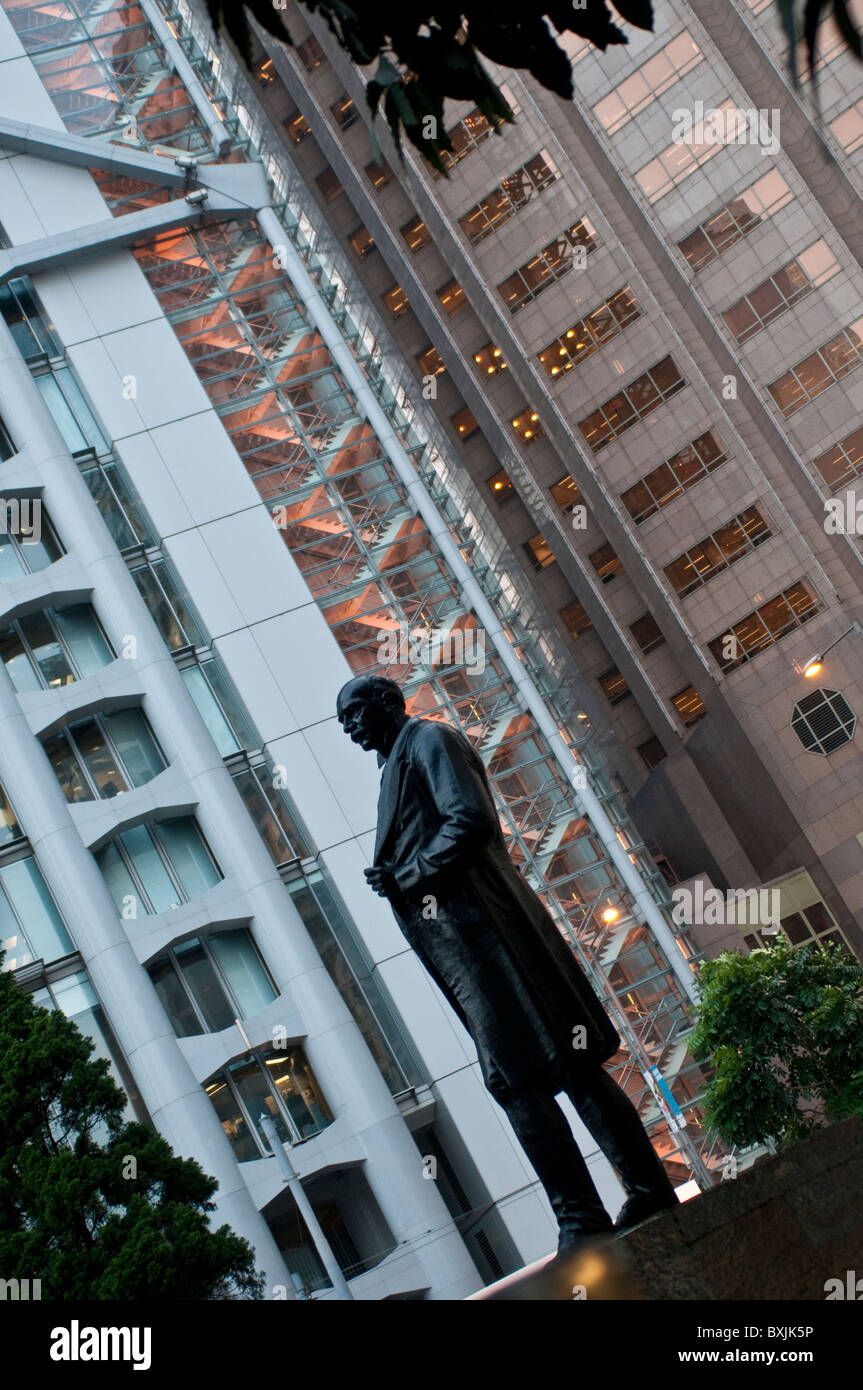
<point x="365" y="720"/>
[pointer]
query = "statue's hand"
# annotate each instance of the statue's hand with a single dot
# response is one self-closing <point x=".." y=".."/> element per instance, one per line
<point x="381" y="880"/>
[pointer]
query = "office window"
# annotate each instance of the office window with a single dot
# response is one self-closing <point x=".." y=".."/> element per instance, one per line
<point x="7" y="448"/>
<point x="27" y="321"/>
<point x="396" y="301"/>
<point x="648" y="82"/>
<point x="540" y="552"/>
<point x="614" y="687"/>
<point x="678" y="160"/>
<point x="430" y="362"/>
<point x="274" y="817"/>
<point x="566" y="493"/>
<point x="28" y="542"/>
<point x="489" y="360"/>
<point x="548" y="265"/>
<point x="848" y="128"/>
<point x="72" y="415"/>
<point x="835" y="359"/>
<point x="344" y="111"/>
<point x="416" y="233"/>
<point x="355" y="1228"/>
<point x="157" y="866"/>
<point x="500" y="485"/>
<point x="54" y="647"/>
<point x="508" y="197"/>
<point x="647" y="633"/>
<point x="362" y="241"/>
<point x="735" y="220"/>
<point x="379" y="174"/>
<point x="465" y="137"/>
<point x="527" y="427"/>
<point x="575" y="618"/>
<point x="785" y="287"/>
<point x="632" y="404"/>
<point x="310" y="53"/>
<point x="297" y="127"/>
<point x="452" y="297"/>
<point x="120" y="508"/>
<point x="768" y="623"/>
<point x="219" y="706"/>
<point x="723" y="547"/>
<point x="329" y="185"/>
<point x="607" y="565"/>
<point x="587" y="335"/>
<point x="169" y="604"/>
<point x="464" y="423"/>
<point x="31" y="927"/>
<point x="651" y="753"/>
<point x="689" y="705"/>
<point x="206" y="983"/>
<point x="103" y="755"/>
<point x="843" y="462"/>
<point x="278" y="1081"/>
<point x="674" y="477"/>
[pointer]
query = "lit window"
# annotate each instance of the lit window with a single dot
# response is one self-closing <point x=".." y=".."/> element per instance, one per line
<point x="614" y="686"/>
<point x="430" y="362"/>
<point x="500" y="486"/>
<point x="396" y="301"/>
<point x="736" y="220"/>
<point x="674" y="477"/>
<point x="648" y="82"/>
<point x="471" y="131"/>
<point x="777" y="294"/>
<point x="344" y="111"/>
<point x="540" y="552"/>
<point x="548" y="265"/>
<point x="452" y="297"/>
<point x="488" y="360"/>
<point x="278" y="1082"/>
<point x="575" y="618"/>
<point x="508" y="197"/>
<point x="833" y="360"/>
<point x="526" y="425"/>
<point x="566" y="493"/>
<point x="297" y="127"/>
<point x="607" y="565"/>
<point x="464" y="423"/>
<point x="416" y="233"/>
<point x="769" y="623"/>
<point x="587" y="335"/>
<point x="723" y="547"/>
<point x="843" y="462"/>
<point x="379" y="174"/>
<point x="632" y="404"/>
<point x="689" y="706"/>
<point x="362" y="241"/>
<point x="310" y="53"/>
<point x="679" y="160"/>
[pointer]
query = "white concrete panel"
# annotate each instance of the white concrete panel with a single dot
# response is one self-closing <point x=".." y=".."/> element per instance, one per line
<point x="10" y="44"/>
<point x="269" y="710"/>
<point x="259" y="572"/>
<point x="166" y="386"/>
<point x="352" y="774"/>
<point x="199" y="573"/>
<point x="152" y="480"/>
<point x="372" y="915"/>
<point x="204" y="467"/>
<point x="306" y="662"/>
<point x="62" y="196"/>
<point x="21" y="90"/>
<point x="437" y="1035"/>
<point x="110" y="291"/>
<point x="307" y="787"/>
<point x="20" y="221"/>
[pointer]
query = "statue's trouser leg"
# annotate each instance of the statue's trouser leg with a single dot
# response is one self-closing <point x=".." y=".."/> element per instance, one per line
<point x="614" y="1123"/>
<point x="545" y="1136"/>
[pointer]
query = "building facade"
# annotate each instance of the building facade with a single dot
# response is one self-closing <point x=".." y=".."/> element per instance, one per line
<point x="271" y="417"/>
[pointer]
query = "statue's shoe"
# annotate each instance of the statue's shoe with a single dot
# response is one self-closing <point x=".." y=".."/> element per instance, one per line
<point x="641" y="1206"/>
<point x="573" y="1239"/>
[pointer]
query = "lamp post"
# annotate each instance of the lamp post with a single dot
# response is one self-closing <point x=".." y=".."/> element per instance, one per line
<point x="813" y="666"/>
<point x="304" y="1206"/>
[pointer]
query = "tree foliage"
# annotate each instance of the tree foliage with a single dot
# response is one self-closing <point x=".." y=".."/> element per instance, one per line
<point x="71" y="1213"/>
<point x="426" y="52"/>
<point x="784" y="1030"/>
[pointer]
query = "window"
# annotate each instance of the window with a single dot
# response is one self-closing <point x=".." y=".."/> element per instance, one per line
<point x="835" y="359"/>
<point x="169" y="605"/>
<point x="647" y="633"/>
<point x="157" y="866"/>
<point x="735" y="220"/>
<point x="713" y="554"/>
<point x="587" y="335"/>
<point x="396" y="301"/>
<point x="607" y="565"/>
<point x="651" y="753"/>
<point x="379" y="174"/>
<point x="553" y="261"/>
<point x="43" y="651"/>
<point x="430" y="362"/>
<point x="489" y="360"/>
<point x="464" y="423"/>
<point x="540" y="552"/>
<point x="632" y="404"/>
<point x="848" y="128"/>
<point x="31" y="927"/>
<point x="508" y="197"/>
<point x="277" y="1080"/>
<point x="679" y="159"/>
<point x="500" y="485"/>
<point x="527" y="427"/>
<point x="575" y="618"/>
<point x="206" y="983"/>
<point x="7" y="448"/>
<point x="350" y="1218"/>
<point x="99" y="757"/>
<point x="452" y="297"/>
<point x="843" y="462"/>
<point x="310" y="53"/>
<point x="416" y="233"/>
<point x="28" y="542"/>
<point x="259" y="784"/>
<point x="344" y="111"/>
<point x="823" y="721"/>
<point x="674" y="477"/>
<point x="689" y="706"/>
<point x="219" y="706"/>
<point x="362" y="241"/>
<point x="23" y="312"/>
<point x="72" y="415"/>
<point x="614" y="686"/>
<point x="648" y="82"/>
<point x="465" y="137"/>
<point x="120" y="507"/>
<point x="297" y="127"/>
<point x="778" y="293"/>
<point x="566" y="493"/>
<point x="329" y="185"/>
<point x="808" y="924"/>
<point x="766" y="625"/>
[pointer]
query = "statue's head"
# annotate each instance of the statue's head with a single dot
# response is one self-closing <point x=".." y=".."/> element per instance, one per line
<point x="371" y="709"/>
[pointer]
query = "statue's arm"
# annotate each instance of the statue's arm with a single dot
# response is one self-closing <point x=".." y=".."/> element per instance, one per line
<point x="460" y="796"/>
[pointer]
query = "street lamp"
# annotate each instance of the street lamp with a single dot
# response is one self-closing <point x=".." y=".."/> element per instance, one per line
<point x="813" y="666"/>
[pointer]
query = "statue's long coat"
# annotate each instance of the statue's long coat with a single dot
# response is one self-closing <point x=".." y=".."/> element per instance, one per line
<point x="478" y="928"/>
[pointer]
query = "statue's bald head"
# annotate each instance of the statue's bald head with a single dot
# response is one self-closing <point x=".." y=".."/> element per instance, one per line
<point x="371" y="710"/>
<point x="370" y="689"/>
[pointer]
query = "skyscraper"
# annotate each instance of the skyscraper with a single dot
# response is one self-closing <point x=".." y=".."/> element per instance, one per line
<point x="229" y="484"/>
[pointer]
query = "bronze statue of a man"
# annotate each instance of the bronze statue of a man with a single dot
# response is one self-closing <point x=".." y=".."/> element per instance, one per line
<point x="486" y="939"/>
